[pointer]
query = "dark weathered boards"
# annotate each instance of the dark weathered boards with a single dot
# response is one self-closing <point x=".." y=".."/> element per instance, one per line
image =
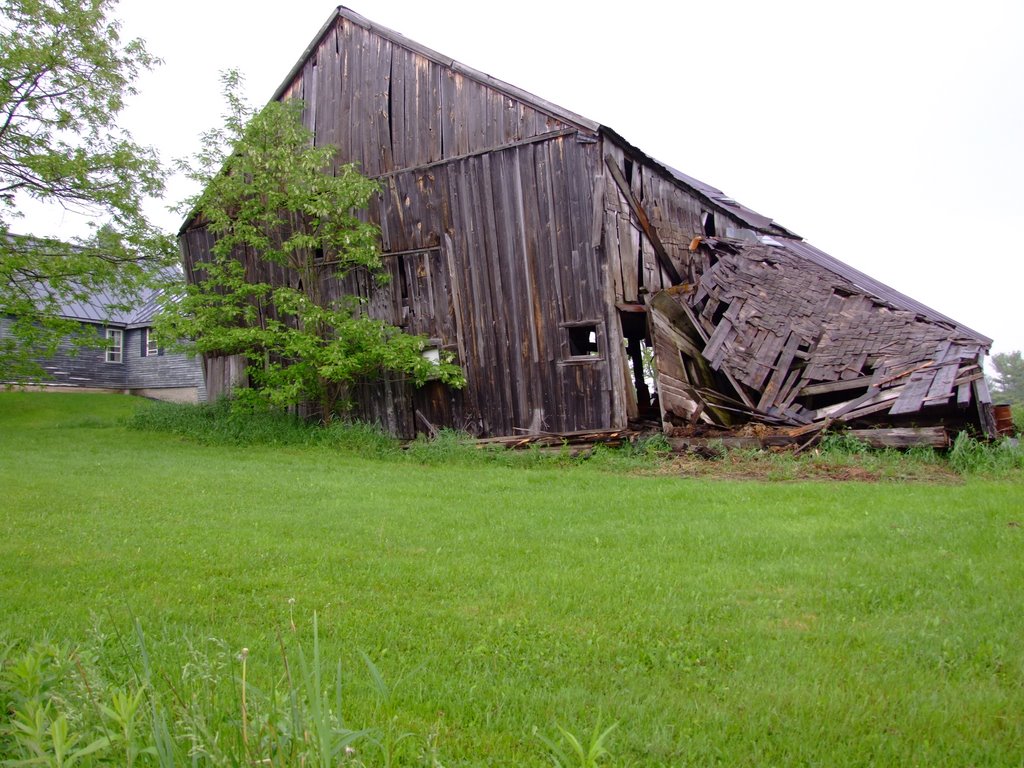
<point x="529" y="241"/>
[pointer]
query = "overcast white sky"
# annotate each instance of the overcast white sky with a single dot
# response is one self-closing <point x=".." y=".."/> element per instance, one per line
<point x="889" y="133"/>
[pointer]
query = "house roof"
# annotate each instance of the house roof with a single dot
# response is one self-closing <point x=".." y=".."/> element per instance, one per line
<point x="776" y="234"/>
<point x="105" y="307"/>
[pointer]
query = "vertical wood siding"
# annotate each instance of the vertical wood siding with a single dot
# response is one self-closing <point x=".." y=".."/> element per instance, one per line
<point x="486" y="214"/>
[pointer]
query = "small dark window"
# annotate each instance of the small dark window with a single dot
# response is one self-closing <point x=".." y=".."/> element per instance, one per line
<point x="582" y="340"/>
<point x="708" y="222"/>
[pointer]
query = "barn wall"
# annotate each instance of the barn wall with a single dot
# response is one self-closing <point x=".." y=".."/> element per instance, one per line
<point x="486" y="210"/>
<point x="389" y="106"/>
<point x="498" y="263"/>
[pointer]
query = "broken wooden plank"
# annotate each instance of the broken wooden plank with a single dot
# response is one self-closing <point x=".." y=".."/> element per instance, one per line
<point x="771" y="390"/>
<point x="913" y="393"/>
<point x="983" y="401"/>
<point x="815" y="437"/>
<point x="867" y="410"/>
<point x="902" y="437"/>
<point x="431" y="429"/>
<point x="884" y="396"/>
<point x="942" y="386"/>
<point x="787" y="393"/>
<point x="854" y="404"/>
<point x="582" y="437"/>
<point x="835" y="386"/>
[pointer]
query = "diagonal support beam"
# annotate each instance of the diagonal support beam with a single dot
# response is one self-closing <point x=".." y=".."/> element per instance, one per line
<point x="645" y="222"/>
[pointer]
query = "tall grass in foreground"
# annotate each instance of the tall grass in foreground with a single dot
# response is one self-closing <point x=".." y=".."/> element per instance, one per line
<point x="103" y="704"/>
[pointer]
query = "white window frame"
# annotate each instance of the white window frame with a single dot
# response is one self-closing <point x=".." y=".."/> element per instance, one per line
<point x="152" y="349"/>
<point x="115" y="345"/>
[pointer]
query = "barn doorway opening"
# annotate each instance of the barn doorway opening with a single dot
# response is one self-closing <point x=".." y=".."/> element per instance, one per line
<point x="636" y="337"/>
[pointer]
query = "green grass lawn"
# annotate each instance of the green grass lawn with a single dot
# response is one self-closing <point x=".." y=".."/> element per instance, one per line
<point x="717" y="622"/>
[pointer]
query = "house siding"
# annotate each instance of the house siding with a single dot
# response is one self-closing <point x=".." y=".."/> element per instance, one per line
<point x="86" y="367"/>
<point x="164" y="370"/>
<point x="80" y="366"/>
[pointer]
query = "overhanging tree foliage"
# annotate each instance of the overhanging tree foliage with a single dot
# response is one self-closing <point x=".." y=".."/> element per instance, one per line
<point x="268" y="198"/>
<point x="64" y="77"/>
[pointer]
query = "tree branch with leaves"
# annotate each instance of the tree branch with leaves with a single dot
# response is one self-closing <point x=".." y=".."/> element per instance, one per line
<point x="274" y="200"/>
<point x="64" y="76"/>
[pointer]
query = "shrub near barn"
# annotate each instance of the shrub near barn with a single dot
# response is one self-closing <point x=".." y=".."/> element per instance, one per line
<point x="266" y="195"/>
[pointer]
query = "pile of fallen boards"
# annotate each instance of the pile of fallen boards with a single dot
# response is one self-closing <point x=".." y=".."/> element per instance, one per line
<point x="775" y="333"/>
<point x="700" y="437"/>
<point x="577" y="441"/>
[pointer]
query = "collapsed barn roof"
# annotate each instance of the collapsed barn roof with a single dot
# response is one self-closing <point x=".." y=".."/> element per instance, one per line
<point x="798" y="342"/>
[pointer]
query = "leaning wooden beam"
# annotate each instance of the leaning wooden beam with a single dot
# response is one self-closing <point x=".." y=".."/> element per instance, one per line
<point x="644" y="221"/>
<point x="585" y="437"/>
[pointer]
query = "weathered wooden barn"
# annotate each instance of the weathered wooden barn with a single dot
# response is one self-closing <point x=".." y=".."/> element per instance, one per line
<point x="555" y="259"/>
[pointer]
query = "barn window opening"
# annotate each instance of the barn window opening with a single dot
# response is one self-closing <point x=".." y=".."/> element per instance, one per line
<point x="708" y="223"/>
<point x="403" y="280"/>
<point x="582" y="340"/>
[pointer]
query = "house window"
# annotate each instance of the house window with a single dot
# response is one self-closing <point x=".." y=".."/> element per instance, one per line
<point x="115" y="344"/>
<point x="151" y="348"/>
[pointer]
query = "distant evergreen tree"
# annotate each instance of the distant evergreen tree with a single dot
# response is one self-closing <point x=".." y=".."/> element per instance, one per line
<point x="1009" y="379"/>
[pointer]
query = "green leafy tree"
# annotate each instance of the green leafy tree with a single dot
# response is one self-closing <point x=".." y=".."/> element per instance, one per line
<point x="268" y="199"/>
<point x="1008" y="383"/>
<point x="64" y="77"/>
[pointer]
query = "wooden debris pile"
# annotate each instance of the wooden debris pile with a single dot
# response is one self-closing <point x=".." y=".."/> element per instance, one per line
<point x="582" y="440"/>
<point x="764" y="332"/>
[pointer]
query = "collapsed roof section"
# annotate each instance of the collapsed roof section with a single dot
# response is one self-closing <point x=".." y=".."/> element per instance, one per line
<point x="770" y="331"/>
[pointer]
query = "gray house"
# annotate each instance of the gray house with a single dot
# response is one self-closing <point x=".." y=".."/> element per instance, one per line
<point x="131" y="362"/>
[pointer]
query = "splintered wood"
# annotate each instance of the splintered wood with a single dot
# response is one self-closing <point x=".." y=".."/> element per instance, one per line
<point x="764" y="334"/>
